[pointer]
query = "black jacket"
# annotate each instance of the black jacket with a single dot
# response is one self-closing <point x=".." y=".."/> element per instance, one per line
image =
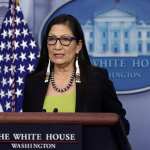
<point x="94" y="94"/>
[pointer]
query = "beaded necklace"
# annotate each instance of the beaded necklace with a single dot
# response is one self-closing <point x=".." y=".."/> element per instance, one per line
<point x="68" y="86"/>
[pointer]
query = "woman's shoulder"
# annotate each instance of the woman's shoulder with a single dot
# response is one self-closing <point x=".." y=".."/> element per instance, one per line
<point x="36" y="76"/>
<point x="98" y="71"/>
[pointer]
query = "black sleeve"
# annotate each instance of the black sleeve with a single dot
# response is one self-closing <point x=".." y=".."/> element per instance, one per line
<point x="111" y="102"/>
<point x="26" y="103"/>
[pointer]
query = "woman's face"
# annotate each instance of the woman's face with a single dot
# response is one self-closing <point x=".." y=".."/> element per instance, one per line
<point x="62" y="46"/>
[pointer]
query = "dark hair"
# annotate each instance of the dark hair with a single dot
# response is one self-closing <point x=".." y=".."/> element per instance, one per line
<point x="76" y="29"/>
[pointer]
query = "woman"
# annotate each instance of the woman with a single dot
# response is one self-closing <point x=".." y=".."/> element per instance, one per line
<point x="64" y="80"/>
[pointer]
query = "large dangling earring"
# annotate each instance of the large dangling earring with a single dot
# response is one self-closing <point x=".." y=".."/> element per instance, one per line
<point x="48" y="72"/>
<point x="77" y="71"/>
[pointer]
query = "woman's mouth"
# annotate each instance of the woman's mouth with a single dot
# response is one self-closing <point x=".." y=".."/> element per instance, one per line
<point x="58" y="55"/>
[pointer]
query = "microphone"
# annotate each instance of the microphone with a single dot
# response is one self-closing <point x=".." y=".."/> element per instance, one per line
<point x="55" y="110"/>
<point x="43" y="110"/>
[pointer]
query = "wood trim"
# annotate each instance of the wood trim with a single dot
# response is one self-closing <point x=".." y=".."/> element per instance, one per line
<point x="60" y="118"/>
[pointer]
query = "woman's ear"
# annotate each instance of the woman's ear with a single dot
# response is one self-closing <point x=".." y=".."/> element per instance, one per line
<point x="79" y="47"/>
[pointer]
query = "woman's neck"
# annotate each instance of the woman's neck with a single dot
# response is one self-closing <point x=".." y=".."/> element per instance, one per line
<point x="59" y="69"/>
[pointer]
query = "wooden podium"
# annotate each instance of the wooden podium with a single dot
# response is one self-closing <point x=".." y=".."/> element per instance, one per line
<point x="98" y="131"/>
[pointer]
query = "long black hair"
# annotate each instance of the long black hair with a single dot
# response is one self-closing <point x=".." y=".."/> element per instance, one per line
<point x="76" y="29"/>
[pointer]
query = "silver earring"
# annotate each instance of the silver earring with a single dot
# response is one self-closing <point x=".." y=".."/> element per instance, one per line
<point x="77" y="71"/>
<point x="47" y="72"/>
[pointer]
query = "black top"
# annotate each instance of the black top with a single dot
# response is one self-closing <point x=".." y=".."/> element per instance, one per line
<point x="95" y="93"/>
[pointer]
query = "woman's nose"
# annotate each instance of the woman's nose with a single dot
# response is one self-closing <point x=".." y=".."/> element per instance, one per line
<point x="58" y="45"/>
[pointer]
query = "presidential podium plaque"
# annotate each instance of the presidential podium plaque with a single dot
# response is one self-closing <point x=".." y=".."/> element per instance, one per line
<point x="62" y="131"/>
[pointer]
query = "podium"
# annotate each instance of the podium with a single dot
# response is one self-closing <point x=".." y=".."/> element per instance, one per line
<point x="75" y="131"/>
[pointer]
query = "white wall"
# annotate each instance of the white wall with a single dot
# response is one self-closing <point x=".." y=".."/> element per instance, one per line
<point x="138" y="114"/>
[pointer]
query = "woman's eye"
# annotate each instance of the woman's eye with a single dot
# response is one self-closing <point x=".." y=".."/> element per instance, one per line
<point x="51" y="38"/>
<point x="66" y="39"/>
